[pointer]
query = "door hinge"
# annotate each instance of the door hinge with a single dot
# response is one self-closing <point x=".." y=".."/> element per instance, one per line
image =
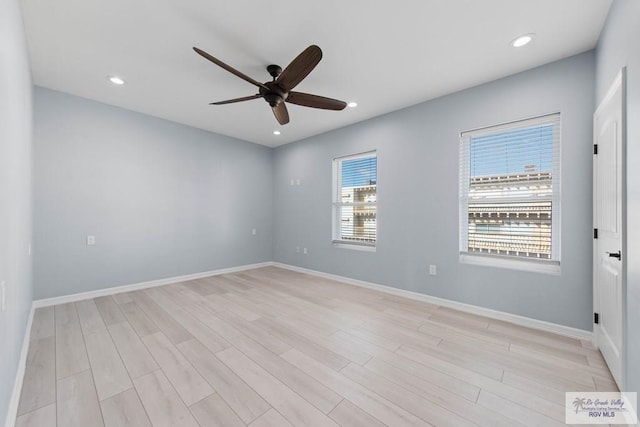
<point x="596" y="318"/>
<point x="595" y="148"/>
<point x="595" y="233"/>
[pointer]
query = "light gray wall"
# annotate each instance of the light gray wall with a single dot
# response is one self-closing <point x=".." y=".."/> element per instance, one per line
<point x="618" y="47"/>
<point x="15" y="193"/>
<point x="418" y="196"/>
<point x="161" y="198"/>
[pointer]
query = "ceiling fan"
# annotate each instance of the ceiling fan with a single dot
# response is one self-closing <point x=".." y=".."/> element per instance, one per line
<point x="280" y="89"/>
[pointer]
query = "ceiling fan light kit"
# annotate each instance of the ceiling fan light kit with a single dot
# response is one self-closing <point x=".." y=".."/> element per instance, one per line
<point x="280" y="90"/>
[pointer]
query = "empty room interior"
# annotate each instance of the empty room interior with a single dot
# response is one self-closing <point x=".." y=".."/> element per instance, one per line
<point x="319" y="213"/>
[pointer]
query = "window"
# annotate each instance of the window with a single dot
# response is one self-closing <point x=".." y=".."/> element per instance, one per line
<point x="354" y="199"/>
<point x="510" y="194"/>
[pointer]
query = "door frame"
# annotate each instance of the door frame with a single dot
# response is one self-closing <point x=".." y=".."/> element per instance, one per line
<point x="620" y="81"/>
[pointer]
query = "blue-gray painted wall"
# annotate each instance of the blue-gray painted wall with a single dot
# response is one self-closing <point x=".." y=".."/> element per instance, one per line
<point x="418" y="196"/>
<point x="15" y="194"/>
<point x="161" y="199"/>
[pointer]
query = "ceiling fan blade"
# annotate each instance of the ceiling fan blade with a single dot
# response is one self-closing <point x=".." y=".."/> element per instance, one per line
<point x="281" y="113"/>
<point x="229" y="68"/>
<point x="300" y="67"/>
<point x="315" y="101"/>
<point x="231" y="101"/>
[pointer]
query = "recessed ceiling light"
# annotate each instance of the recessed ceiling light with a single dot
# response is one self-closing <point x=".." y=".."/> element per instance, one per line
<point x="116" y="80"/>
<point x="352" y="104"/>
<point x="276" y="132"/>
<point x="522" y="40"/>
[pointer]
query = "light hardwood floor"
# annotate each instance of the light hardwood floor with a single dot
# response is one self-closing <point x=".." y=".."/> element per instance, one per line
<point x="270" y="347"/>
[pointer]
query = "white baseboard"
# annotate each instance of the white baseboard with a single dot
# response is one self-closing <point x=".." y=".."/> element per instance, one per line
<point x="143" y="285"/>
<point x="12" y="411"/>
<point x="468" y="308"/>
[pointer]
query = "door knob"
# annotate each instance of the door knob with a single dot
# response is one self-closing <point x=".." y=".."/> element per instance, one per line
<point x="615" y="255"/>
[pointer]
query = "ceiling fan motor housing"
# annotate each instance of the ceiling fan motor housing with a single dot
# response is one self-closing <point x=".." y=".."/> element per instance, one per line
<point x="275" y="95"/>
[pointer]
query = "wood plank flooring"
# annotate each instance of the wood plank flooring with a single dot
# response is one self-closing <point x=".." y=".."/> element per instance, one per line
<point x="271" y="347"/>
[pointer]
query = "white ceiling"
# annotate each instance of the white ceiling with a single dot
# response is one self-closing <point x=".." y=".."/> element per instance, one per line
<point x="384" y="55"/>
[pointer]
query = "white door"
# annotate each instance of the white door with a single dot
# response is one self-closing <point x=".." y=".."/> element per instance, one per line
<point x="608" y="258"/>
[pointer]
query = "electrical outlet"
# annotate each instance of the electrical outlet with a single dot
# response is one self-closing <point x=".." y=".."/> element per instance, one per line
<point x="91" y="240"/>
<point x="292" y="182"/>
<point x="2" y="294"/>
<point x="297" y="249"/>
<point x="304" y="251"/>
<point x="298" y="181"/>
<point x="433" y="270"/>
<point x="254" y="231"/>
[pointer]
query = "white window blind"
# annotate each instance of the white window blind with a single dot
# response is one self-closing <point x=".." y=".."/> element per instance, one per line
<point x="510" y="190"/>
<point x="354" y="199"/>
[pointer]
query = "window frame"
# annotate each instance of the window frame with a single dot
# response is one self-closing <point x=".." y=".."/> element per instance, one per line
<point x="548" y="266"/>
<point x="336" y="203"/>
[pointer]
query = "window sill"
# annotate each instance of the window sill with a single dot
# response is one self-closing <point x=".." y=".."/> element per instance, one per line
<point x="532" y="265"/>
<point x="353" y="246"/>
